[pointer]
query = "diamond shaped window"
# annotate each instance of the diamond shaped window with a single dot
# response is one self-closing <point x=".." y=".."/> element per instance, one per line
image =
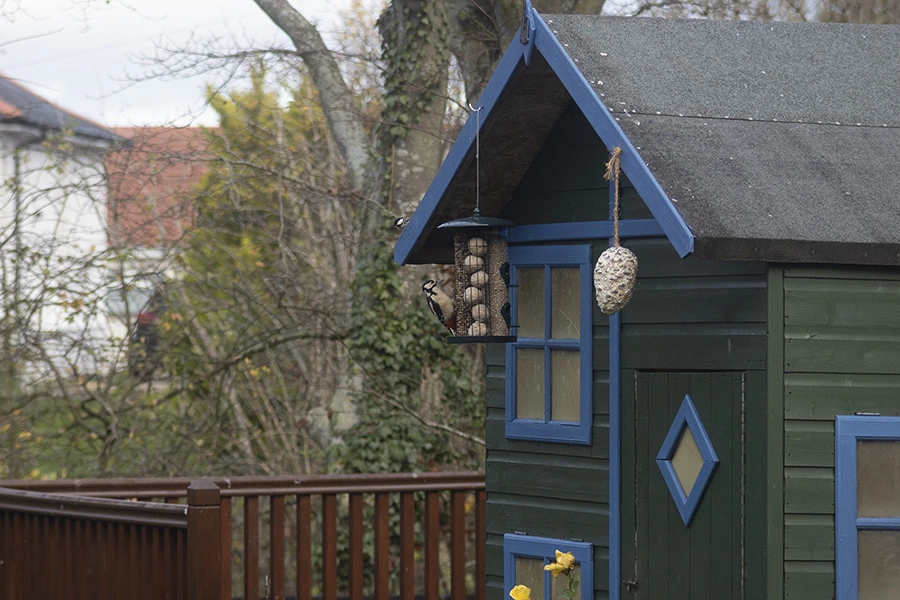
<point x="687" y="460"/>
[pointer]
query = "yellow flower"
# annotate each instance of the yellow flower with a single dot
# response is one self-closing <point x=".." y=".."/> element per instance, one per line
<point x="564" y="563"/>
<point x="520" y="592"/>
<point x="567" y="560"/>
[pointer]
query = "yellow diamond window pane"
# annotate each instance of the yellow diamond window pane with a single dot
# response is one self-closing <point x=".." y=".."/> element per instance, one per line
<point x="879" y="565"/>
<point x="878" y="478"/>
<point x="530" y="572"/>
<point x="530" y="402"/>
<point x="558" y="584"/>
<point x="565" y="385"/>
<point x="687" y="461"/>
<point x="565" y="290"/>
<point x="531" y="302"/>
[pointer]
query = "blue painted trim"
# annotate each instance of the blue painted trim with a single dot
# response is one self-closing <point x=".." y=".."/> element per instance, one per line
<point x="423" y="218"/>
<point x="847" y="431"/>
<point x="615" y="454"/>
<point x="846" y="549"/>
<point x="878" y="523"/>
<point x="540" y="547"/>
<point x="687" y="417"/>
<point x="528" y="23"/>
<point x="615" y="433"/>
<point x="557" y="256"/>
<point x="605" y="126"/>
<point x="588" y="230"/>
<point x="547" y="430"/>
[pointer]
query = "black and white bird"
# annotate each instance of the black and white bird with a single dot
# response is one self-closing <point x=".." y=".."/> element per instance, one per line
<point x="440" y="304"/>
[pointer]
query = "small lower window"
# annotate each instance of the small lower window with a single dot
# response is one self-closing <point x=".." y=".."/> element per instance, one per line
<point x="867" y="507"/>
<point x="526" y="556"/>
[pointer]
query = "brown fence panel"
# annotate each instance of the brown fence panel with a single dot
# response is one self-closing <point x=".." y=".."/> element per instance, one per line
<point x="63" y="546"/>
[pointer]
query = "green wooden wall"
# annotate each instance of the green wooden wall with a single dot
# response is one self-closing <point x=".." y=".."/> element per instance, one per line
<point x="548" y="489"/>
<point x="686" y="315"/>
<point x="841" y="354"/>
<point x="708" y="316"/>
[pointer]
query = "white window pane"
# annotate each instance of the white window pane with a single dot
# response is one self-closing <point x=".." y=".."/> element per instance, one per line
<point x="879" y="565"/>
<point x="530" y="572"/>
<point x="530" y="295"/>
<point x="565" y="385"/>
<point x="878" y="478"/>
<point x="530" y="399"/>
<point x="565" y="292"/>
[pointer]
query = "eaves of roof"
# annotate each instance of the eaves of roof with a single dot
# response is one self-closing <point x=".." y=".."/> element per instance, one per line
<point x="20" y="106"/>
<point x="502" y="87"/>
<point x="747" y="141"/>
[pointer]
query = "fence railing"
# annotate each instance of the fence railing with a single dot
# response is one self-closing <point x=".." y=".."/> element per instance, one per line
<point x="330" y="536"/>
<point x="64" y="546"/>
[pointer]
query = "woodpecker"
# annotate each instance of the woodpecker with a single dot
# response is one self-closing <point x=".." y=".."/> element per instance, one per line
<point x="401" y="222"/>
<point x="440" y="304"/>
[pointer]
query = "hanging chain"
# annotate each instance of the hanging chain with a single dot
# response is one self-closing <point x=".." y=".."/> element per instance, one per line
<point x="477" y="112"/>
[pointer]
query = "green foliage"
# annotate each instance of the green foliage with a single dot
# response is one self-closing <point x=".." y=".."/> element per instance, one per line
<point x="253" y="327"/>
<point x="415" y="51"/>
<point x="398" y="347"/>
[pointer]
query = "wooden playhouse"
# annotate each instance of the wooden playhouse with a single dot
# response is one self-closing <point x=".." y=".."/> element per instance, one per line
<point x="733" y="432"/>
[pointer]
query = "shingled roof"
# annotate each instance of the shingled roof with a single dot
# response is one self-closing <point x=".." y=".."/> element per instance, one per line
<point x="747" y="140"/>
<point x="18" y="105"/>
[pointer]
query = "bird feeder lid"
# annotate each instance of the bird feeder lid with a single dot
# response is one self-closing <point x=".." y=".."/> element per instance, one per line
<point x="476" y="221"/>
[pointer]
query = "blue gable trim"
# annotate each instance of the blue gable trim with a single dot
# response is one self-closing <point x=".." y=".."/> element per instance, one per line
<point x="604" y="124"/>
<point x="419" y="223"/>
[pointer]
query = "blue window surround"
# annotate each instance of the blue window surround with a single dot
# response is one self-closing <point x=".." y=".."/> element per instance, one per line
<point x="538" y="547"/>
<point x="848" y="430"/>
<point x="546" y="430"/>
<point x="687" y="418"/>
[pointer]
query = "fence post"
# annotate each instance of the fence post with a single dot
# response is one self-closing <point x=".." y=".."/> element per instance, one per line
<point x="204" y="543"/>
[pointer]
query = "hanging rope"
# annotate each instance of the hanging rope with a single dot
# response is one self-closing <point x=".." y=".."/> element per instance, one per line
<point x="613" y="169"/>
<point x="616" y="270"/>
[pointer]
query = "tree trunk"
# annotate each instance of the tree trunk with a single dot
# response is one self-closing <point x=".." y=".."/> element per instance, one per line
<point x="343" y="116"/>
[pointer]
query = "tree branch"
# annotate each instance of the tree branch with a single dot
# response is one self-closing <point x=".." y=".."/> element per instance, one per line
<point x="340" y="110"/>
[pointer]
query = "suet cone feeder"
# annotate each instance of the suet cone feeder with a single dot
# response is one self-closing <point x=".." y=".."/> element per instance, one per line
<point x="615" y="273"/>
<point x="481" y="290"/>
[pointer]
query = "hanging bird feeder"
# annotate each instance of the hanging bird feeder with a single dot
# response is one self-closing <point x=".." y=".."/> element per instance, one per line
<point x="481" y="269"/>
<point x="481" y="286"/>
<point x="615" y="273"/>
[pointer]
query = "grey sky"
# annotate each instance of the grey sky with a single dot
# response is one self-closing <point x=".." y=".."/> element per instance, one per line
<point x="81" y="53"/>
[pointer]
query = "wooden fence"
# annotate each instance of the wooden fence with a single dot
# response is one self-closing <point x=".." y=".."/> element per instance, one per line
<point x="64" y="546"/>
<point x="328" y="536"/>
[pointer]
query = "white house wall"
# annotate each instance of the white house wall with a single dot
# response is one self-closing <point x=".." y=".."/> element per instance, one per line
<point x="61" y="246"/>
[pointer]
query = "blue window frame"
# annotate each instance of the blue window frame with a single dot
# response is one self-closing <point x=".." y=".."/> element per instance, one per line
<point x="698" y="474"/>
<point x="529" y="554"/>
<point x="548" y="368"/>
<point x="867" y="507"/>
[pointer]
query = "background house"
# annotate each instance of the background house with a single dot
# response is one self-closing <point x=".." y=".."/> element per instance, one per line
<point x="52" y="231"/>
<point x="153" y="180"/>
<point x="734" y="431"/>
